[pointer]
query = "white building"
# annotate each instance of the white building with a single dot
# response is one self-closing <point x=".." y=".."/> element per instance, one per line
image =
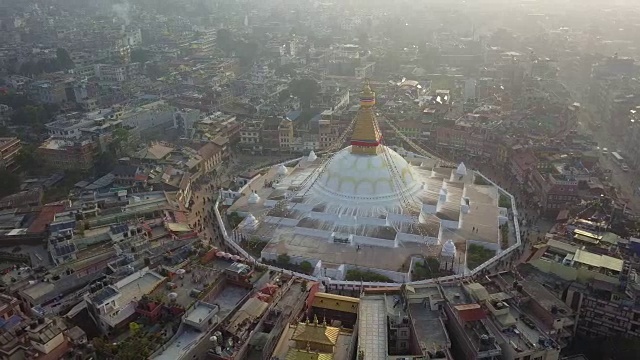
<point x="147" y="116"/>
<point x="112" y="305"/>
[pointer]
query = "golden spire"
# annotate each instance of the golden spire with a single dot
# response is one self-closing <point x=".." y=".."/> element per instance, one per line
<point x="366" y="136"/>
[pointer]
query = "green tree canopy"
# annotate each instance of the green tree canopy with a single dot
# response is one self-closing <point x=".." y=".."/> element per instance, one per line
<point x="306" y="267"/>
<point x="140" y="55"/>
<point x="305" y="90"/>
<point x="224" y="41"/>
<point x="63" y="60"/>
<point x="283" y="259"/>
<point x="247" y="52"/>
<point x="29" y="162"/>
<point x="9" y="183"/>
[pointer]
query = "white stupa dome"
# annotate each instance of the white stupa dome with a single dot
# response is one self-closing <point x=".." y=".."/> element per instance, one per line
<point x="461" y="170"/>
<point x="449" y="248"/>
<point x="365" y="179"/>
<point x="253" y="198"/>
<point x="282" y="170"/>
<point x="251" y="220"/>
<point x="312" y="156"/>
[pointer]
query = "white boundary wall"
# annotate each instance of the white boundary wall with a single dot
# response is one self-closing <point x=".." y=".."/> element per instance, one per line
<point x="343" y="284"/>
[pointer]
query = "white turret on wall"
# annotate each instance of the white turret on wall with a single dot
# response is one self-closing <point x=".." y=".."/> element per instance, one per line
<point x="460" y="172"/>
<point x="250" y="223"/>
<point x="442" y="199"/>
<point x="312" y="156"/>
<point x="465" y="205"/>
<point x="448" y="255"/>
<point x="254" y="198"/>
<point x="282" y="170"/>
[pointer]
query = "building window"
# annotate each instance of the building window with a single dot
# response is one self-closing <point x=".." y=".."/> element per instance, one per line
<point x="403" y="344"/>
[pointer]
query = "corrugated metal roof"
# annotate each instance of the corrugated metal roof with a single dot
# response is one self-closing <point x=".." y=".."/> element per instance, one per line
<point x="602" y="261"/>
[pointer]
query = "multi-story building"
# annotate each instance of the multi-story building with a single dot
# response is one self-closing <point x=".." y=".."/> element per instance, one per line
<point x="250" y="136"/>
<point x="401" y="323"/>
<point x="285" y="132"/>
<point x="145" y="117"/>
<point x="43" y="339"/>
<point x="9" y="307"/>
<point x="9" y="150"/>
<point x="218" y="125"/>
<point x="518" y="334"/>
<point x="606" y="310"/>
<point x="48" y="91"/>
<point x="468" y="326"/>
<point x="111" y="306"/>
<point x="552" y="316"/>
<point x="603" y="291"/>
<point x="212" y="156"/>
<point x="76" y="125"/>
<point x="523" y="163"/>
<point x="555" y="191"/>
<point x="327" y="131"/>
<point x="68" y="154"/>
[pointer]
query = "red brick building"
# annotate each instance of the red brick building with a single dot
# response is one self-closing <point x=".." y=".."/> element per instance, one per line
<point x="68" y="154"/>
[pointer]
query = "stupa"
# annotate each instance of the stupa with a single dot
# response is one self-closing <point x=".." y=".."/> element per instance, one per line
<point x="370" y="207"/>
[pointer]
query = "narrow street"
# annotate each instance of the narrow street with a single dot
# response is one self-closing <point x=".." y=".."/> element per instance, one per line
<point x="624" y="181"/>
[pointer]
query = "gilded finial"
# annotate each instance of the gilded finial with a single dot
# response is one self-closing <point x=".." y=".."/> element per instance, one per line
<point x="366" y="88"/>
<point x="366" y="136"/>
<point x="324" y="320"/>
<point x="315" y="320"/>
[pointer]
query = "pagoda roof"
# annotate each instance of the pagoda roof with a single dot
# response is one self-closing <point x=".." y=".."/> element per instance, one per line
<point x="318" y="333"/>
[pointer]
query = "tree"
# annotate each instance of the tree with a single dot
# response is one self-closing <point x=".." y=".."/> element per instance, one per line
<point x="247" y="52"/>
<point x="224" y="41"/>
<point x="9" y="183"/>
<point x="29" y="162"/>
<point x="139" y="55"/>
<point x="155" y="71"/>
<point x="63" y="59"/>
<point x="283" y="259"/>
<point x="305" y="90"/>
<point x="306" y="267"/>
<point x="363" y="39"/>
<point x="284" y="95"/>
<point x="286" y="70"/>
<point x="121" y="141"/>
<point x="104" y="163"/>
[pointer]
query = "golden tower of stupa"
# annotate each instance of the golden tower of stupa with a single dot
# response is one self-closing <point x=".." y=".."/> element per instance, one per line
<point x="366" y="136"/>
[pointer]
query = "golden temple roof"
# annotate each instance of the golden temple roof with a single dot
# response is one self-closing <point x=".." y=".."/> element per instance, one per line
<point x="336" y="302"/>
<point x="297" y="354"/>
<point x="318" y="333"/>
<point x="366" y="133"/>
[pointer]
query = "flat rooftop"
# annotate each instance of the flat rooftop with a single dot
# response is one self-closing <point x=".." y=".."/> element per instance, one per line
<point x="544" y="297"/>
<point x="228" y="299"/>
<point x="430" y="329"/>
<point x="180" y="346"/>
<point x="199" y="312"/>
<point x="372" y="327"/>
<point x="132" y="289"/>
